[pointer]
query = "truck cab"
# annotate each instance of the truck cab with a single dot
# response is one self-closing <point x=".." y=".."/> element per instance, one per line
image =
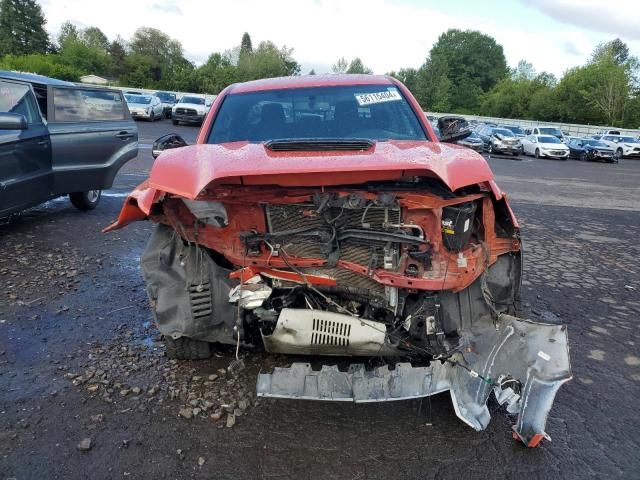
<point x="57" y="138"/>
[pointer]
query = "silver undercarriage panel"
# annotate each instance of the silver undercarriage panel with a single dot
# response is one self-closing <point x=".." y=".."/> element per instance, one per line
<point x="534" y="355"/>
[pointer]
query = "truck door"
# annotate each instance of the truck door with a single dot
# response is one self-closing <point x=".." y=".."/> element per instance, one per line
<point x="92" y="136"/>
<point x="25" y="153"/>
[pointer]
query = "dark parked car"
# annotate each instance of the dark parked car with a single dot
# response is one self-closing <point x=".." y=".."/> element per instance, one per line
<point x="473" y="142"/>
<point x="590" y="149"/>
<point x="168" y="101"/>
<point x="57" y="138"/>
<point x="517" y="131"/>
<point x="500" y="140"/>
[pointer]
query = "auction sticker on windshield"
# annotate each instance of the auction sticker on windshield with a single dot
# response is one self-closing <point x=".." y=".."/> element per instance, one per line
<point x="391" y="95"/>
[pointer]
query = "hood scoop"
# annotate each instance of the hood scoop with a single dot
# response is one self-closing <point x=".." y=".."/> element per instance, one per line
<point x="319" y="145"/>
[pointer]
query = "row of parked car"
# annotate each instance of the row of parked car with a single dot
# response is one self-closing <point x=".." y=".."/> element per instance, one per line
<point x="551" y="142"/>
<point x="190" y="109"/>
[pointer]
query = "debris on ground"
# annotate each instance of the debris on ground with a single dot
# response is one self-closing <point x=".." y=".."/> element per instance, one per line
<point x="85" y="445"/>
<point x="133" y="373"/>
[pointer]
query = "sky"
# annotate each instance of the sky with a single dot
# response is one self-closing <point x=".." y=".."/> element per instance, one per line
<point x="387" y="35"/>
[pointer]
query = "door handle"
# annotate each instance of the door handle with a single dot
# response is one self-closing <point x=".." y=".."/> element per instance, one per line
<point x="43" y="142"/>
<point x="124" y="135"/>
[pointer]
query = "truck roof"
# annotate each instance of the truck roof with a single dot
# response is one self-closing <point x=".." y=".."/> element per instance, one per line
<point x="32" y="78"/>
<point x="303" y="81"/>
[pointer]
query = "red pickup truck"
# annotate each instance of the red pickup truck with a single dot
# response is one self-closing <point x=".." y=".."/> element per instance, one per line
<point x="320" y="215"/>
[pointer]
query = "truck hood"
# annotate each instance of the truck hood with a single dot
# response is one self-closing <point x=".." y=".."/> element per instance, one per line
<point x="199" y="108"/>
<point x="188" y="170"/>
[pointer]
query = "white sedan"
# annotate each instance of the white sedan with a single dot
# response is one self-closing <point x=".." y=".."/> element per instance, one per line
<point x="145" y="106"/>
<point x="544" y="146"/>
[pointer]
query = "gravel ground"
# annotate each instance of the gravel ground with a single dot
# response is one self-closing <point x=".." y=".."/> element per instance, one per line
<point x="88" y="393"/>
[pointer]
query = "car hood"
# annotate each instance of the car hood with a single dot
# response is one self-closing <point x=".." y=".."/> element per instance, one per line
<point x="190" y="105"/>
<point x="139" y="105"/>
<point x="188" y="170"/>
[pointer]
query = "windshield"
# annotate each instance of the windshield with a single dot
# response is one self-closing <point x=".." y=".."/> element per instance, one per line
<point x="551" y="131"/>
<point x="138" y="99"/>
<point x="194" y="100"/>
<point x="516" y="130"/>
<point x="166" y="97"/>
<point x="593" y="143"/>
<point x="629" y="140"/>
<point x="544" y="139"/>
<point x="503" y="131"/>
<point x="375" y="112"/>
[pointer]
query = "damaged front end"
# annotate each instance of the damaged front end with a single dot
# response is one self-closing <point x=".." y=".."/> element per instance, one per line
<point x="408" y="272"/>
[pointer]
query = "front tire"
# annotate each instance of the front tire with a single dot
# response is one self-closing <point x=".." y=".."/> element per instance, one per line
<point x="490" y="148"/>
<point x="618" y="154"/>
<point x="85" y="200"/>
<point x="152" y="117"/>
<point x="583" y="157"/>
<point x="537" y="154"/>
<point x="185" y="348"/>
<point x="174" y="121"/>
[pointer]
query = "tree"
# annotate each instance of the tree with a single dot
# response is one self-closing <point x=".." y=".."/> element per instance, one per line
<point x="246" y="48"/>
<point x="356" y="66"/>
<point x="267" y="61"/>
<point x="616" y="49"/>
<point x="474" y="64"/>
<point x="94" y="38"/>
<point x="118" y="53"/>
<point x="433" y="87"/>
<point x="340" y="66"/>
<point x="408" y="76"/>
<point x="68" y="33"/>
<point x="524" y="71"/>
<point x="22" y="28"/>
<point x="216" y="74"/>
<point x="311" y="72"/>
<point x="161" y="53"/>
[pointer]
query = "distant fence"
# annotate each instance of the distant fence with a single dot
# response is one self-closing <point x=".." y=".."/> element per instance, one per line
<point x="574" y="130"/>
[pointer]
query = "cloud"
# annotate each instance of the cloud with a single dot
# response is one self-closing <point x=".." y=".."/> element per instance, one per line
<point x="619" y="18"/>
<point x="571" y="49"/>
<point x="168" y="6"/>
<point x="386" y="34"/>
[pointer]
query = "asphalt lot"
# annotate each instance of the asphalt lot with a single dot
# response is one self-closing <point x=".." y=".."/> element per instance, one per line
<point x="73" y="309"/>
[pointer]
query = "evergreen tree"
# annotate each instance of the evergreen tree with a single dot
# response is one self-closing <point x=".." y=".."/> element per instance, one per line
<point x="246" y="48"/>
<point x="22" y="28"/>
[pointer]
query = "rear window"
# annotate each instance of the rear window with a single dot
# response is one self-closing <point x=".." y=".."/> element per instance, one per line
<point x="80" y="105"/>
<point x="375" y="112"/>
<point x="551" y="131"/>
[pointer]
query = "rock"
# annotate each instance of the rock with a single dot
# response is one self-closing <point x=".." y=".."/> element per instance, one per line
<point x="85" y="445"/>
<point x="243" y="404"/>
<point x="94" y="387"/>
<point x="237" y="412"/>
<point x="231" y="420"/>
<point x="201" y="461"/>
<point x="222" y="372"/>
<point x="212" y="377"/>
<point x="186" y="413"/>
<point x="216" y="416"/>
<point x="99" y="418"/>
<point x="124" y="392"/>
<point x="196" y="378"/>
<point x="136" y="390"/>
<point x="194" y="402"/>
<point x="196" y="411"/>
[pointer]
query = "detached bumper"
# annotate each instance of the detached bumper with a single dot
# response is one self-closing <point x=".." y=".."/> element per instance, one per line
<point x="533" y="356"/>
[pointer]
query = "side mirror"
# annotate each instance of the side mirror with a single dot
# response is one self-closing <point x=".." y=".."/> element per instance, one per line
<point x="167" y="142"/>
<point x="12" y="121"/>
<point x="453" y="129"/>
